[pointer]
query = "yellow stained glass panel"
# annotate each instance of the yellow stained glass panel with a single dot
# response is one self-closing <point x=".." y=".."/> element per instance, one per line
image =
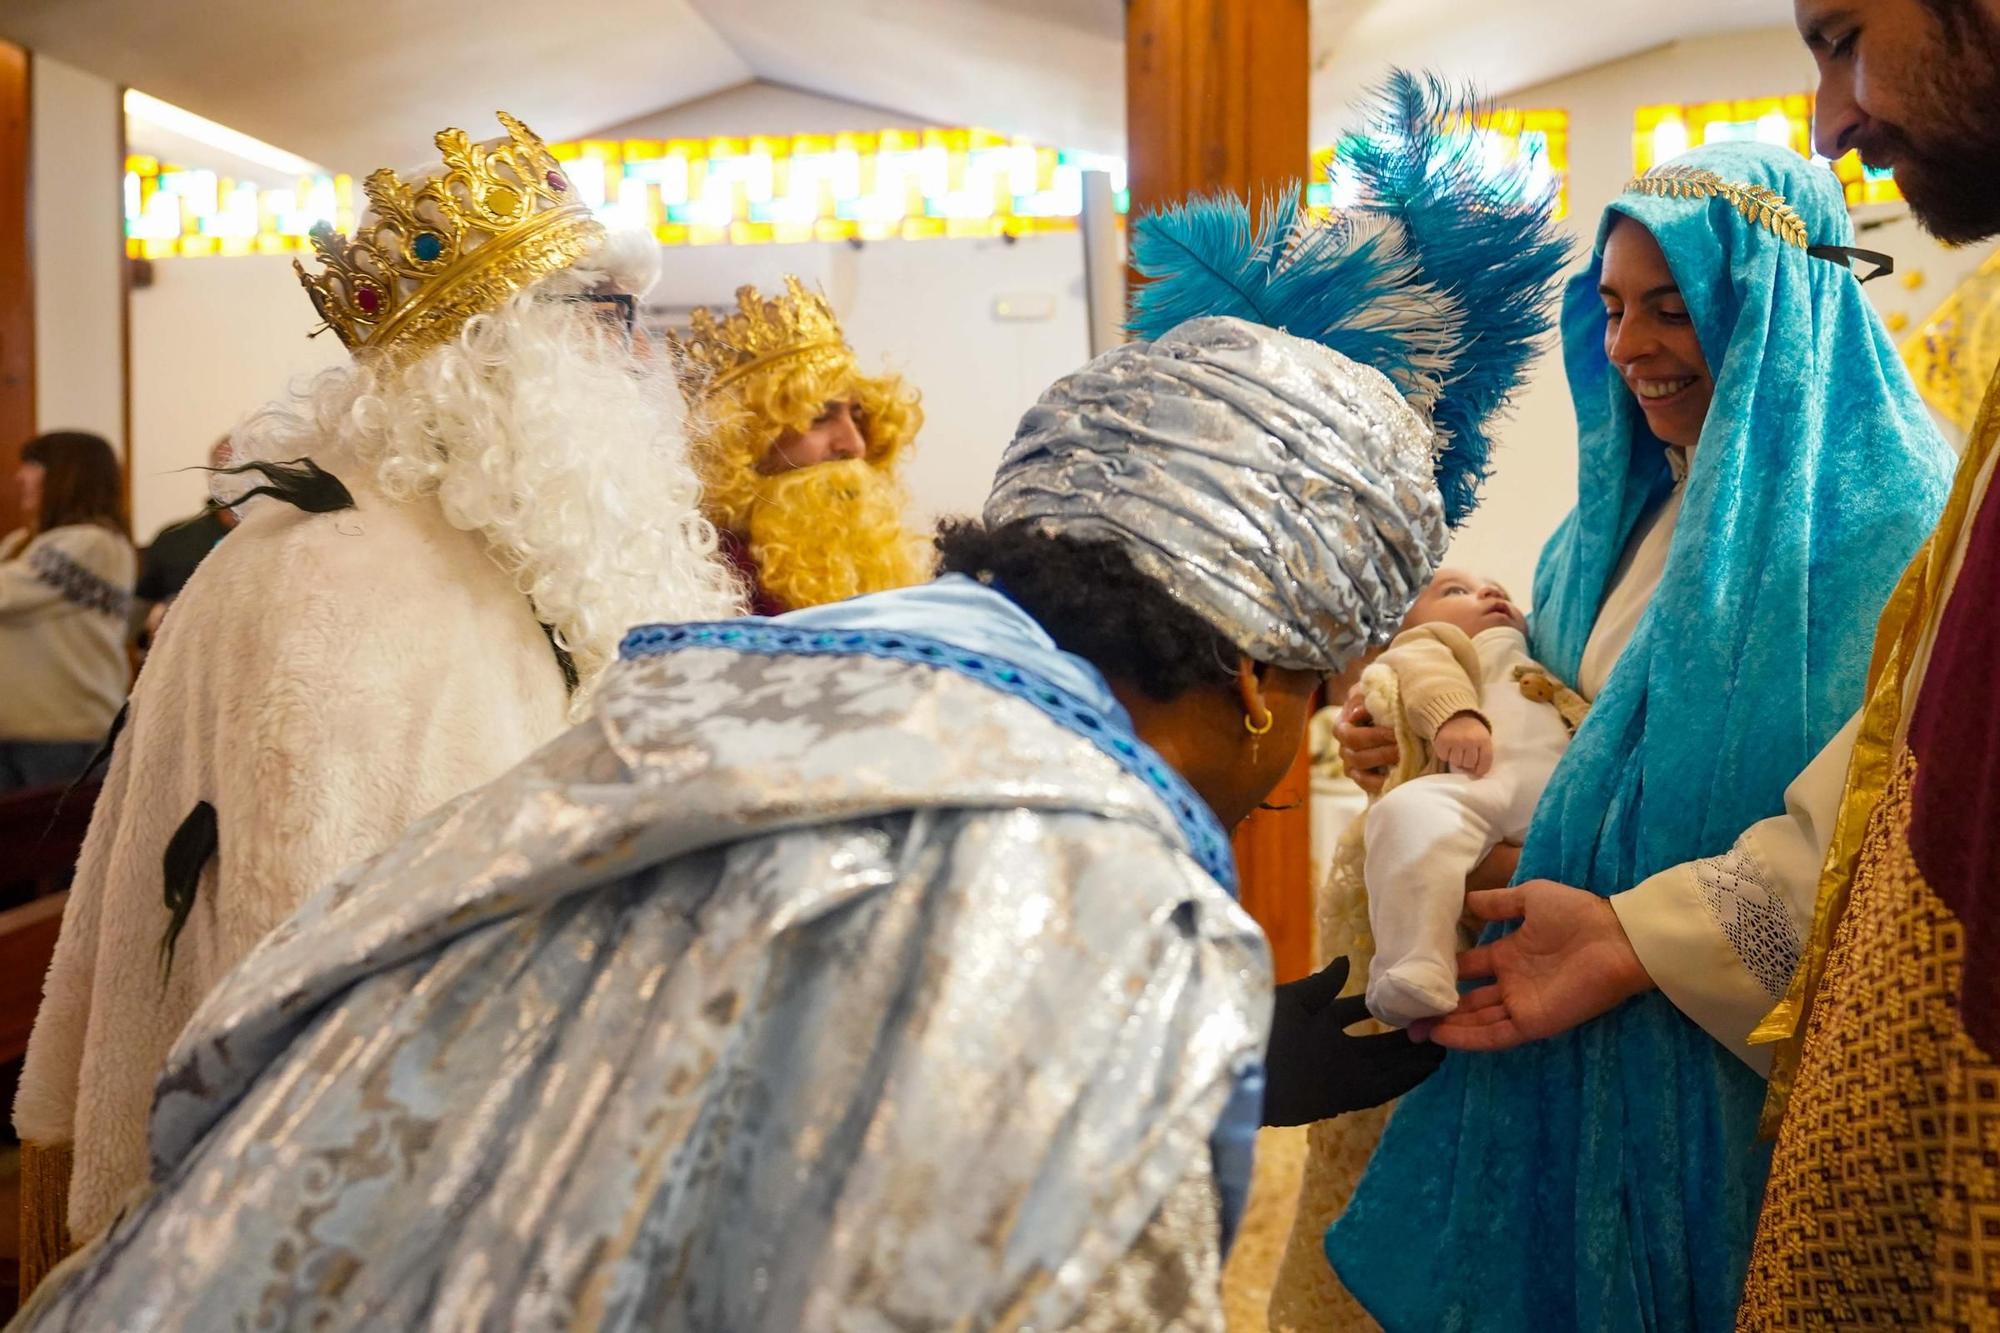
<point x="747" y="189"/>
<point x="1666" y="131"/>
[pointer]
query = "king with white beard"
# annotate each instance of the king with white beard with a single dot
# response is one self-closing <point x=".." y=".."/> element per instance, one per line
<point x="457" y="527"/>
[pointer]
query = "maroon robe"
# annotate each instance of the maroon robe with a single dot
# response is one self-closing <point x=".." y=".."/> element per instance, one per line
<point x="736" y="550"/>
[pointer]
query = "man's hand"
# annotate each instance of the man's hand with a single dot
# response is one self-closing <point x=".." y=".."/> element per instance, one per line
<point x="1315" y="1071"/>
<point x="1367" y="751"/>
<point x="1568" y="963"/>
<point x="1465" y="743"/>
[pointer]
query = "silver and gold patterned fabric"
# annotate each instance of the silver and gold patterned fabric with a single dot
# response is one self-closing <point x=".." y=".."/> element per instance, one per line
<point x="1281" y="491"/>
<point x="832" y="993"/>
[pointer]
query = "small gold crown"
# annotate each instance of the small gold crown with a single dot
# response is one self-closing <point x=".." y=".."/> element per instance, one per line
<point x="499" y="217"/>
<point x="796" y="326"/>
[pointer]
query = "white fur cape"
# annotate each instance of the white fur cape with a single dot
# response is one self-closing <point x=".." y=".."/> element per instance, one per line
<point x="323" y="681"/>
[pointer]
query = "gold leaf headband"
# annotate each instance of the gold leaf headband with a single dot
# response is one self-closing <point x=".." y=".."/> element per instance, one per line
<point x="1759" y="205"/>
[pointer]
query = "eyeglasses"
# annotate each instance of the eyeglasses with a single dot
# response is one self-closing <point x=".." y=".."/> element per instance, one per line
<point x="1844" y="255"/>
<point x="617" y="311"/>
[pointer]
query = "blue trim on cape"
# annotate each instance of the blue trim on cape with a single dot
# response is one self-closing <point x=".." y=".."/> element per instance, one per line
<point x="1205" y="835"/>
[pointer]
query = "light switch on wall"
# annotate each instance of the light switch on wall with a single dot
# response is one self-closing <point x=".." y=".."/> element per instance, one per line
<point x="1023" y="307"/>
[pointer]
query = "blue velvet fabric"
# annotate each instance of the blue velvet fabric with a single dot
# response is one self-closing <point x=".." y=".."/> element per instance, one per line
<point x="1609" y="1178"/>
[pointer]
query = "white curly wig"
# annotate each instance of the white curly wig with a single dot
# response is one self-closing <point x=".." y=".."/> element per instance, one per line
<point x="559" y="445"/>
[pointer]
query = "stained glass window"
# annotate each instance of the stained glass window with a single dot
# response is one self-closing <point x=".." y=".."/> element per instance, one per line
<point x="1538" y="139"/>
<point x="909" y="184"/>
<point x="905" y="184"/>
<point x="173" y="212"/>
<point x="1663" y="132"/>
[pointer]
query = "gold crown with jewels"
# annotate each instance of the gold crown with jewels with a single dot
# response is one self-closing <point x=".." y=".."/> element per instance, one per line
<point x="500" y="216"/>
<point x="797" y="327"/>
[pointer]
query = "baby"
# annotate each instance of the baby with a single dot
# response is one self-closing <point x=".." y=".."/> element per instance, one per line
<point x="1458" y="685"/>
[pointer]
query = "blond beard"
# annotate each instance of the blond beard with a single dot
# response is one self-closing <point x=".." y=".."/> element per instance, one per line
<point x="832" y="531"/>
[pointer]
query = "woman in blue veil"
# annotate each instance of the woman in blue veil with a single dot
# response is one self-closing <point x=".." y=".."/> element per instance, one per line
<point x="1608" y="1176"/>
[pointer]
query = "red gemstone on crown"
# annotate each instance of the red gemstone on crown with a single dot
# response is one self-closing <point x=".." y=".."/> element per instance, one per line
<point x="556" y="181"/>
<point x="368" y="299"/>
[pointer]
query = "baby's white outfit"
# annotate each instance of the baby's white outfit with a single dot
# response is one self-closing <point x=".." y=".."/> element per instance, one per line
<point x="1425" y="836"/>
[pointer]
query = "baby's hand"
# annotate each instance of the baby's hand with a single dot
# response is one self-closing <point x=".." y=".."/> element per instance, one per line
<point x="1465" y="743"/>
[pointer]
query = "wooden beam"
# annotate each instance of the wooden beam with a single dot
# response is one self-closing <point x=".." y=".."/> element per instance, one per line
<point x="125" y="326"/>
<point x="17" y="280"/>
<point x="1215" y="98"/>
<point x="1274" y="870"/>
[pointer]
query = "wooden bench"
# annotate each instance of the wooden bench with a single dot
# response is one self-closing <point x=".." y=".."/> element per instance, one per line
<point x="41" y="832"/>
<point x="27" y="942"/>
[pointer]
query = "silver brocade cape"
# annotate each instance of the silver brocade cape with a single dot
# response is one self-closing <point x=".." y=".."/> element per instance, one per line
<point x="786" y="993"/>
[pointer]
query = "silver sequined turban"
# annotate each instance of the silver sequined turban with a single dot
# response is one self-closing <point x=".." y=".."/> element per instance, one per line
<point x="1278" y="489"/>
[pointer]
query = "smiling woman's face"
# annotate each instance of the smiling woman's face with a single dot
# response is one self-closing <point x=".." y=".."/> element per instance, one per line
<point x="1650" y="338"/>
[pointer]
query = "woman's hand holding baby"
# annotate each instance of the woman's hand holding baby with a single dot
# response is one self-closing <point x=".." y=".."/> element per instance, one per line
<point x="1367" y="752"/>
<point x="1465" y="744"/>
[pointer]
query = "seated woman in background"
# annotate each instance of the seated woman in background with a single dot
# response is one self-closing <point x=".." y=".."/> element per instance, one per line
<point x="65" y="590"/>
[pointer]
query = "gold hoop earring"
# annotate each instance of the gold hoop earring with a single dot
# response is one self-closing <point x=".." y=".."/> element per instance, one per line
<point x="1256" y="730"/>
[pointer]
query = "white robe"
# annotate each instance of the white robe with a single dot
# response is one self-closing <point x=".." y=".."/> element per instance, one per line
<point x="323" y="680"/>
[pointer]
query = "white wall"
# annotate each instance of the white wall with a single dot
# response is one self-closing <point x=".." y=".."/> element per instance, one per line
<point x="1534" y="484"/>
<point x="77" y="246"/>
<point x="212" y="340"/>
<point x="933" y="305"/>
<point x="759" y="108"/>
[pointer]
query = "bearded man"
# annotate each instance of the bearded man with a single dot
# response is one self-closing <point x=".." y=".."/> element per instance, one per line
<point x="478" y="505"/>
<point x="798" y="451"/>
<point x="1883" y="1198"/>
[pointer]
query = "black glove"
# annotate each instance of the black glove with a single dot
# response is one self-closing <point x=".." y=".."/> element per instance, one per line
<point x="1315" y="1071"/>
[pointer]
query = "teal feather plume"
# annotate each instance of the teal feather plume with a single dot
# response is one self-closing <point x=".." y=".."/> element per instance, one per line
<point x="1442" y="276"/>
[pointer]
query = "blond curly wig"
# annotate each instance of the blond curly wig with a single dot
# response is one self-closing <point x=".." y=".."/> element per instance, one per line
<point x="734" y="428"/>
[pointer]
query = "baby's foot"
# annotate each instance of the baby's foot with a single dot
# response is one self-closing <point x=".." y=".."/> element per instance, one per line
<point x="1410" y="991"/>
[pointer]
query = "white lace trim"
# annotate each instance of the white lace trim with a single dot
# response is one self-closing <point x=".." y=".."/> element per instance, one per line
<point x="1757" y="920"/>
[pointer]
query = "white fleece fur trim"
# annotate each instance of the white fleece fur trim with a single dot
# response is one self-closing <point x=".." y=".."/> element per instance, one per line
<point x="323" y="681"/>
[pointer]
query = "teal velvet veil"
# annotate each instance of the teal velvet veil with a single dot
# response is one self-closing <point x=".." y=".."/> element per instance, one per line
<point x="1609" y="1178"/>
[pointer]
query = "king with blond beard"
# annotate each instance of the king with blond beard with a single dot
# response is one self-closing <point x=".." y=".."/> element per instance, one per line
<point x="799" y="451"/>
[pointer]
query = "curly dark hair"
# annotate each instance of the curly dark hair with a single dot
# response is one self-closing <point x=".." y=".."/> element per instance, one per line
<point x="1094" y="602"/>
